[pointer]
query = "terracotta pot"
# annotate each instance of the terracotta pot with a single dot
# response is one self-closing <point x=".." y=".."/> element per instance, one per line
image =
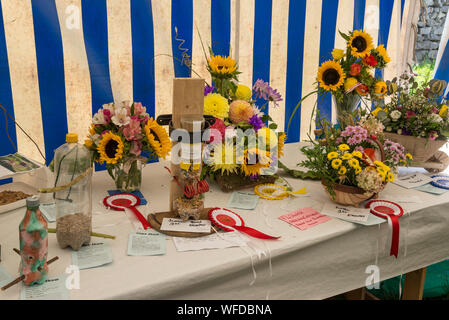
<point x="420" y="148"/>
<point x="348" y="195"/>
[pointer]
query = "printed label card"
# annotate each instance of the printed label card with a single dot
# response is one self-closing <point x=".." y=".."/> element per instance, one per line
<point x="305" y="218"/>
<point x="243" y="200"/>
<point x="92" y="256"/>
<point x="200" y="226"/>
<point x="146" y="243"/>
<point x="412" y="180"/>
<point x="346" y="213"/>
<point x="52" y="289"/>
<point x="214" y="241"/>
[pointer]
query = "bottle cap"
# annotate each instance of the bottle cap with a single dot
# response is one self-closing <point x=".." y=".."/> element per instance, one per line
<point x="71" y="138"/>
<point x="33" y="201"/>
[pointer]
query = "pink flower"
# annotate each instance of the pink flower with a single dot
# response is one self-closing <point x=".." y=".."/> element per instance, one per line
<point x="410" y="114"/>
<point x="355" y="69"/>
<point x="107" y="115"/>
<point x="139" y="109"/>
<point x="435" y="110"/>
<point x="132" y="131"/>
<point x="217" y="131"/>
<point x="136" y="148"/>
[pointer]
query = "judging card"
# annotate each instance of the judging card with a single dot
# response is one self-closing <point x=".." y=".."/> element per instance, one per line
<point x="346" y="213"/>
<point x="304" y="218"/>
<point x="412" y="180"/>
<point x="179" y="225"/>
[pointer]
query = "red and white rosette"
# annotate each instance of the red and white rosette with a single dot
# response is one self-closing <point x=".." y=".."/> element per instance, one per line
<point x="231" y="221"/>
<point x="391" y="212"/>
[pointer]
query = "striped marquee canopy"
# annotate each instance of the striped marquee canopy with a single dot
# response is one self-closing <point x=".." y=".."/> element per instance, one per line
<point x="60" y="60"/>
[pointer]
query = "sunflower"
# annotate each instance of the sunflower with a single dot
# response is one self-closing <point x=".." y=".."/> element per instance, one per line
<point x="157" y="138"/>
<point x="224" y="158"/>
<point x="222" y="66"/>
<point x="336" y="163"/>
<point x="357" y="170"/>
<point x="281" y="142"/>
<point x="110" y="148"/>
<point x="390" y="177"/>
<point x="361" y="44"/>
<point x="357" y="154"/>
<point x="254" y="160"/>
<point x="382" y="52"/>
<point x="380" y="89"/>
<point x="331" y="75"/>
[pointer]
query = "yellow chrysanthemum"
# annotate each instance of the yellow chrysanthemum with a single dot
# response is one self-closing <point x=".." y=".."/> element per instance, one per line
<point x="331" y="75"/>
<point x="390" y="177"/>
<point x="357" y="154"/>
<point x="281" y="142"/>
<point x="361" y="44"/>
<point x="222" y="65"/>
<point x="357" y="170"/>
<point x="337" y="54"/>
<point x="216" y="105"/>
<point x="110" y="148"/>
<point x="380" y="89"/>
<point x="370" y="169"/>
<point x="342" y="171"/>
<point x="332" y="155"/>
<point x="336" y="163"/>
<point x="240" y="111"/>
<point x="158" y="138"/>
<point x="443" y="111"/>
<point x="383" y="175"/>
<point x="383" y="53"/>
<point x="409" y="156"/>
<point x="354" y="163"/>
<point x="243" y="93"/>
<point x="350" y="83"/>
<point x="224" y="159"/>
<point x="254" y="160"/>
<point x="347" y="156"/>
<point x="343" y="147"/>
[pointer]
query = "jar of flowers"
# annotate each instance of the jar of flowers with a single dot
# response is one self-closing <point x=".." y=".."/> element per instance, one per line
<point x="123" y="136"/>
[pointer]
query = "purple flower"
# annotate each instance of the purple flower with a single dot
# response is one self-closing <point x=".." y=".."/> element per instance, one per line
<point x="263" y="90"/>
<point x="208" y="89"/>
<point x="256" y="122"/>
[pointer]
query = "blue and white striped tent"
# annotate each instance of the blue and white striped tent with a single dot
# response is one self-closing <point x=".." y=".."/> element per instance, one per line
<point x="442" y="63"/>
<point x="60" y="60"/>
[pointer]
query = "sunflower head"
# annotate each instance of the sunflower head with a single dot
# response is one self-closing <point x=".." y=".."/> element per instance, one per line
<point x="157" y="138"/>
<point x="110" y="148"/>
<point x="281" y="142"/>
<point x="380" y="89"/>
<point x="360" y="44"/>
<point x="254" y="160"/>
<point x="382" y="53"/>
<point x="222" y="66"/>
<point x="331" y="75"/>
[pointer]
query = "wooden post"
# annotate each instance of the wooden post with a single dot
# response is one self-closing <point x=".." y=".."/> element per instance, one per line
<point x="188" y="99"/>
<point x="414" y="285"/>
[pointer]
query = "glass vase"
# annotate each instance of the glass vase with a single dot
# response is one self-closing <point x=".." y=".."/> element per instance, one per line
<point x="127" y="175"/>
<point x="345" y="108"/>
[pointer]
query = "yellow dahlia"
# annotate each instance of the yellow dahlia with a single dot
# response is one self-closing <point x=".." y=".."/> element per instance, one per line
<point x="380" y="89"/>
<point x="331" y="75"/>
<point x="243" y="93"/>
<point x="350" y="83"/>
<point x="337" y="54"/>
<point x="216" y="105"/>
<point x="224" y="158"/>
<point x="382" y="52"/>
<point x="354" y="163"/>
<point x="361" y="44"/>
<point x="346" y="156"/>
<point x="110" y="148"/>
<point x="254" y="160"/>
<point x="222" y="65"/>
<point x="343" y="147"/>
<point x="357" y="154"/>
<point x="157" y="138"/>
<point x="240" y="111"/>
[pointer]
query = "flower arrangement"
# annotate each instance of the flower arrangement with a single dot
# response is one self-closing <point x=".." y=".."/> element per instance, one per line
<point x="415" y="111"/>
<point x="357" y="155"/>
<point x="349" y="76"/>
<point x="243" y="140"/>
<point x="120" y="135"/>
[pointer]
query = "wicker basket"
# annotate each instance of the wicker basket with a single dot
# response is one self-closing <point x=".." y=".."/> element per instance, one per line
<point x="421" y="149"/>
<point x="348" y="195"/>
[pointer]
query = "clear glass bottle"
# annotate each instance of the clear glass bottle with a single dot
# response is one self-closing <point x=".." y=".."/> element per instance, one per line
<point x="33" y="237"/>
<point x="74" y="201"/>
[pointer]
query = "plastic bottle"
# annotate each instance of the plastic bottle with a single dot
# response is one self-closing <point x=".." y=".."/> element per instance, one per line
<point x="74" y="202"/>
<point x="33" y="236"/>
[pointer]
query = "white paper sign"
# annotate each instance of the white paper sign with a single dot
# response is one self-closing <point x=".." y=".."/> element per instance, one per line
<point x="93" y="255"/>
<point x="52" y="289"/>
<point x="214" y="241"/>
<point x="346" y="213"/>
<point x="412" y="180"/>
<point x="146" y="243"/>
<point x="200" y="226"/>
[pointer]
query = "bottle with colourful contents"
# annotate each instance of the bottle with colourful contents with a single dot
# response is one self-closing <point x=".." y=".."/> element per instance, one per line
<point x="33" y="235"/>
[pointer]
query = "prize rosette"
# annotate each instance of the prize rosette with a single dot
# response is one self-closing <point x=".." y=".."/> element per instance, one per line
<point x="231" y="221"/>
<point x="440" y="181"/>
<point x="271" y="191"/>
<point x="391" y="212"/>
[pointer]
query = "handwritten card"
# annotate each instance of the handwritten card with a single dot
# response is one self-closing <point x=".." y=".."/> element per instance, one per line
<point x="5" y="277"/>
<point x="52" y="289"/>
<point x="200" y="226"/>
<point x="243" y="200"/>
<point x="146" y="243"/>
<point x="412" y="180"/>
<point x="92" y="256"/>
<point x="304" y="218"/>
<point x="214" y="241"/>
<point x="346" y="213"/>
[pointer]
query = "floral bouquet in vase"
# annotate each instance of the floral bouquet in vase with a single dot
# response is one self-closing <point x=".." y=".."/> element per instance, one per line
<point x="244" y="145"/>
<point x="123" y="136"/>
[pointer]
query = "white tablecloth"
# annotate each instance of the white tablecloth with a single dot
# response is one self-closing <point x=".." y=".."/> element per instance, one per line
<point x="320" y="262"/>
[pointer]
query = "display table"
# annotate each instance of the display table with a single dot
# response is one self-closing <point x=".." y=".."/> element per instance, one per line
<point x="318" y="263"/>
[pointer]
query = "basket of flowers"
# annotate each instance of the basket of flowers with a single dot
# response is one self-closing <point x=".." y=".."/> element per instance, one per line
<point x="244" y="146"/>
<point x="416" y="119"/>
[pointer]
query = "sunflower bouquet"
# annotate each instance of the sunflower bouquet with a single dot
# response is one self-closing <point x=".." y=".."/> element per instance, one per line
<point x="123" y="136"/>
<point x="244" y="141"/>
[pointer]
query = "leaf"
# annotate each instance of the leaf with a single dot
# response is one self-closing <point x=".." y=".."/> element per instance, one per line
<point x="273" y="126"/>
<point x="344" y="36"/>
